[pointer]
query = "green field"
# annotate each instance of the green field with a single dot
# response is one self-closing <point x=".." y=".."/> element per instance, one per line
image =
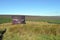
<point x="32" y="30"/>
<point x="5" y="20"/>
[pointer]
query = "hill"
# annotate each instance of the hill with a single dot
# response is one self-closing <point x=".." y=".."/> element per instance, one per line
<point x="49" y="19"/>
<point x="34" y="17"/>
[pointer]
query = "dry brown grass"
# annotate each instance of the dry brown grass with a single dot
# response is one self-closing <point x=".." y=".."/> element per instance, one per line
<point x="31" y="31"/>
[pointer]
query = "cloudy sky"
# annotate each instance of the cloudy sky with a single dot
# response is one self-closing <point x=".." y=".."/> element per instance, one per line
<point x="30" y="7"/>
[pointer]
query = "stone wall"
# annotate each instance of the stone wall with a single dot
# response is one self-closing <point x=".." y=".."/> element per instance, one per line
<point x="18" y="19"/>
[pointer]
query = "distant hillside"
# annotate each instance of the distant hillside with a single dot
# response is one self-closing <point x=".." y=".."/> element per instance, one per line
<point x="49" y="19"/>
<point x="35" y="17"/>
<point x="43" y="17"/>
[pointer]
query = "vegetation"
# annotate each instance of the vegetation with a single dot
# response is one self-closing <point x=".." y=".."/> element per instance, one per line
<point x="7" y="20"/>
<point x="4" y="20"/>
<point x="32" y="30"/>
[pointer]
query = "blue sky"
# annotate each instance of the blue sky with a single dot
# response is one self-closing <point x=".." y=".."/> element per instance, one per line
<point x="30" y="7"/>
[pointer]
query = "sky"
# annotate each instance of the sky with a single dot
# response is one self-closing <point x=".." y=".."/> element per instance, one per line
<point x="30" y="7"/>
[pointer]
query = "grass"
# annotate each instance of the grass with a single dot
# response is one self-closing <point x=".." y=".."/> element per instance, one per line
<point x="31" y="31"/>
<point x="5" y="20"/>
<point x="49" y="21"/>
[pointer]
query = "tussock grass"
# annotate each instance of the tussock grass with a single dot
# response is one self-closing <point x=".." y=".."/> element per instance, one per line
<point x="31" y="31"/>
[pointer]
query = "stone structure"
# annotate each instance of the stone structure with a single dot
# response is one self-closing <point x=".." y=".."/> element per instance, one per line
<point x="18" y="19"/>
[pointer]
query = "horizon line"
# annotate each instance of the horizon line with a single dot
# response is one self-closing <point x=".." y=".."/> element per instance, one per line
<point x="25" y="15"/>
